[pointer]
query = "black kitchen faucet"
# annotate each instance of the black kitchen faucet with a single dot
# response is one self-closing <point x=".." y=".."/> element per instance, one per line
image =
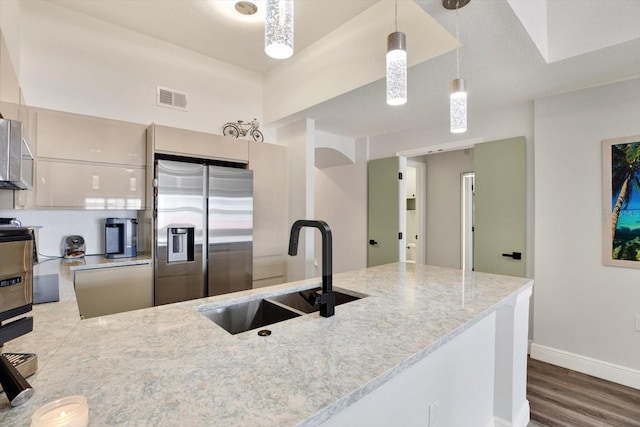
<point x="327" y="299"/>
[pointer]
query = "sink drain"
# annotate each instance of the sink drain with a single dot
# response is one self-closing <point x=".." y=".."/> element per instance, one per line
<point x="264" y="332"/>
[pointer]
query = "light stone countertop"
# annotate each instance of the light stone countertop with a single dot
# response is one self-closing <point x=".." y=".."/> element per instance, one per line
<point x="170" y="365"/>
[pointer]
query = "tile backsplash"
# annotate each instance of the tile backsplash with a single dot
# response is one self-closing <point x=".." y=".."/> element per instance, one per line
<point x="55" y="225"/>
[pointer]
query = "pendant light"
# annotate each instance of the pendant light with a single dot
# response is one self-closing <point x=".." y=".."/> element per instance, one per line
<point x="458" y="96"/>
<point x="278" y="29"/>
<point x="396" y="66"/>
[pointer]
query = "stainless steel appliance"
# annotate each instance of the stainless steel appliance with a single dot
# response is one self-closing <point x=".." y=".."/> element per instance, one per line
<point x="204" y="229"/>
<point x="16" y="160"/>
<point x="16" y="275"/>
<point x="16" y="298"/>
<point x="120" y="237"/>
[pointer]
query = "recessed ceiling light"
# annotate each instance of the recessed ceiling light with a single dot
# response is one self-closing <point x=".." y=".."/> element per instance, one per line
<point x="233" y="10"/>
<point x="246" y="8"/>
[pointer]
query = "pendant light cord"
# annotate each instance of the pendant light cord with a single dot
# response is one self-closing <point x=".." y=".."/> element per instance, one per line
<point x="457" y="40"/>
<point x="396" y="16"/>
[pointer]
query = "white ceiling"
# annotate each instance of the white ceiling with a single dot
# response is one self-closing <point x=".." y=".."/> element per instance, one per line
<point x="571" y="44"/>
<point x="215" y="29"/>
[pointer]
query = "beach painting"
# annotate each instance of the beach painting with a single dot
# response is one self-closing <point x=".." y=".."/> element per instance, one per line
<point x="621" y="188"/>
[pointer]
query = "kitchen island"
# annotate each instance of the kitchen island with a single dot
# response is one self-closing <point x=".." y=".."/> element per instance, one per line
<point x="426" y="346"/>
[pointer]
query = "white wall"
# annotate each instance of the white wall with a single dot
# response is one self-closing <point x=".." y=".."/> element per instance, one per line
<point x="444" y="206"/>
<point x="10" y="25"/>
<point x="72" y="62"/>
<point x="516" y="120"/>
<point x="57" y="224"/>
<point x="581" y="306"/>
<point x="299" y="138"/>
<point x="341" y="201"/>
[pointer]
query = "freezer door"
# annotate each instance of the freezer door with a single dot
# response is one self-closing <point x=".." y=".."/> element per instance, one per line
<point x="230" y="230"/>
<point x="180" y="268"/>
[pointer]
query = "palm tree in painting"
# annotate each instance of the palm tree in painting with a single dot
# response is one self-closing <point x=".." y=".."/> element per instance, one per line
<point x="625" y="172"/>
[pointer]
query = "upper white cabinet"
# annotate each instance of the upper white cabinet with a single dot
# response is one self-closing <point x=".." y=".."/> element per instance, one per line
<point x="183" y="142"/>
<point x="89" y="186"/>
<point x="88" y="162"/>
<point x="69" y="136"/>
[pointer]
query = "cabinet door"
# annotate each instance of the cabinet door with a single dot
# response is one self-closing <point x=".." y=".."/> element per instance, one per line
<point x="269" y="270"/>
<point x="184" y="142"/>
<point x="86" y="186"/>
<point x="69" y="136"/>
<point x="270" y="199"/>
<point x="109" y="290"/>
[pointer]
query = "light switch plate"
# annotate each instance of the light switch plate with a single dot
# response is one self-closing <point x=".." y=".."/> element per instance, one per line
<point x="638" y="322"/>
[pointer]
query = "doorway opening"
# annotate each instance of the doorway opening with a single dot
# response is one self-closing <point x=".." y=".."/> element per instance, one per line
<point x="466" y="214"/>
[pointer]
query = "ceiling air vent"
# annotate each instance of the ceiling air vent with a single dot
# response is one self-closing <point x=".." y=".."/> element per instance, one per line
<point x="170" y="98"/>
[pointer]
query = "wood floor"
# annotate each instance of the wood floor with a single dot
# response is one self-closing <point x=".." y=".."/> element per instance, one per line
<point x="560" y="397"/>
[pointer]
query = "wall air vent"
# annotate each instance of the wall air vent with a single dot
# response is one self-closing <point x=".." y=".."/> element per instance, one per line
<point x="171" y="98"/>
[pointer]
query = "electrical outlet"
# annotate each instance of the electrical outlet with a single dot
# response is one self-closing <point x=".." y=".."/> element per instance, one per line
<point x="433" y="414"/>
<point x="638" y="322"/>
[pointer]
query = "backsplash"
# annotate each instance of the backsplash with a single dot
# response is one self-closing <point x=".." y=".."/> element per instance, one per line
<point x="57" y="224"/>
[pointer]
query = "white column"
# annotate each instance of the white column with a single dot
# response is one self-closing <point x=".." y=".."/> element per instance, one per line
<point x="511" y="407"/>
<point x="299" y="137"/>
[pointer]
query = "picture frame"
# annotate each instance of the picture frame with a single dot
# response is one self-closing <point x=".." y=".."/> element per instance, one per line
<point x="621" y="201"/>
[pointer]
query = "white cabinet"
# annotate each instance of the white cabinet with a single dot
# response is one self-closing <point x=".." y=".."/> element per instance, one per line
<point x="102" y="291"/>
<point x="270" y="207"/>
<point x="88" y="162"/>
<point x="68" y="136"/>
<point x="89" y="186"/>
<point x="183" y="142"/>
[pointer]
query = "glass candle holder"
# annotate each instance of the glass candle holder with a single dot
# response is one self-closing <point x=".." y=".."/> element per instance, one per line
<point x="70" y="411"/>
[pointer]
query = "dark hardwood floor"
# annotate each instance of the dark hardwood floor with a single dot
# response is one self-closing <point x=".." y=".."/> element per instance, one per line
<point x="560" y="397"/>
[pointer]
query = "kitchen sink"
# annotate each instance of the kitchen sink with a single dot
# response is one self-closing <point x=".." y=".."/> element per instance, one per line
<point x="258" y="313"/>
<point x="303" y="300"/>
<point x="249" y="315"/>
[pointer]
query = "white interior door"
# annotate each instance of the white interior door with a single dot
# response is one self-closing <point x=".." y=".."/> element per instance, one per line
<point x="500" y="207"/>
<point x="386" y="211"/>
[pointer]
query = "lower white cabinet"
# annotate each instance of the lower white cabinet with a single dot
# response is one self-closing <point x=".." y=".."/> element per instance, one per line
<point x="89" y="186"/>
<point x="269" y="270"/>
<point x="109" y="290"/>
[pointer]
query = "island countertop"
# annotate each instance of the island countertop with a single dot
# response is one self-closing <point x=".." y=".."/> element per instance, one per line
<point x="170" y="365"/>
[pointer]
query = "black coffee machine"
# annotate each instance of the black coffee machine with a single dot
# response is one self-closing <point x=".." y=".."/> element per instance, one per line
<point x="16" y="299"/>
<point x="120" y="237"/>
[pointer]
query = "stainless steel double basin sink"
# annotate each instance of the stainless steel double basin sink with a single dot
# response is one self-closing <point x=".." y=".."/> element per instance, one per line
<point x="258" y="313"/>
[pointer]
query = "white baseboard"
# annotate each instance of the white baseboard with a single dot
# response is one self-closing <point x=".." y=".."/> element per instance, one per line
<point x="594" y="367"/>
<point x="521" y="420"/>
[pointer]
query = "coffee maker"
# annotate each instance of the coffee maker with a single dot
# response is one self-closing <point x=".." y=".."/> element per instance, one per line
<point x="16" y="299"/>
<point x="120" y="238"/>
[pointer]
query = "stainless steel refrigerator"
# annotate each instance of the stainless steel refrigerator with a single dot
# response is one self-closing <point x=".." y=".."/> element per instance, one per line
<point x="204" y="230"/>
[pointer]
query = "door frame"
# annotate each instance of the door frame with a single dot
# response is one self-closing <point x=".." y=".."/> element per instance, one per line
<point x="421" y="206"/>
<point x="421" y="188"/>
<point x="466" y="232"/>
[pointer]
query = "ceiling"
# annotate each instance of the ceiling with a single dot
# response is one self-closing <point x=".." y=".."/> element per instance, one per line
<point x="512" y="51"/>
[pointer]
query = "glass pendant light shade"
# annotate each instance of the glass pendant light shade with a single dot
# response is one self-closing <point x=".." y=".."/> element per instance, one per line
<point x="396" y="69"/>
<point x="458" y="106"/>
<point x="278" y="29"/>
